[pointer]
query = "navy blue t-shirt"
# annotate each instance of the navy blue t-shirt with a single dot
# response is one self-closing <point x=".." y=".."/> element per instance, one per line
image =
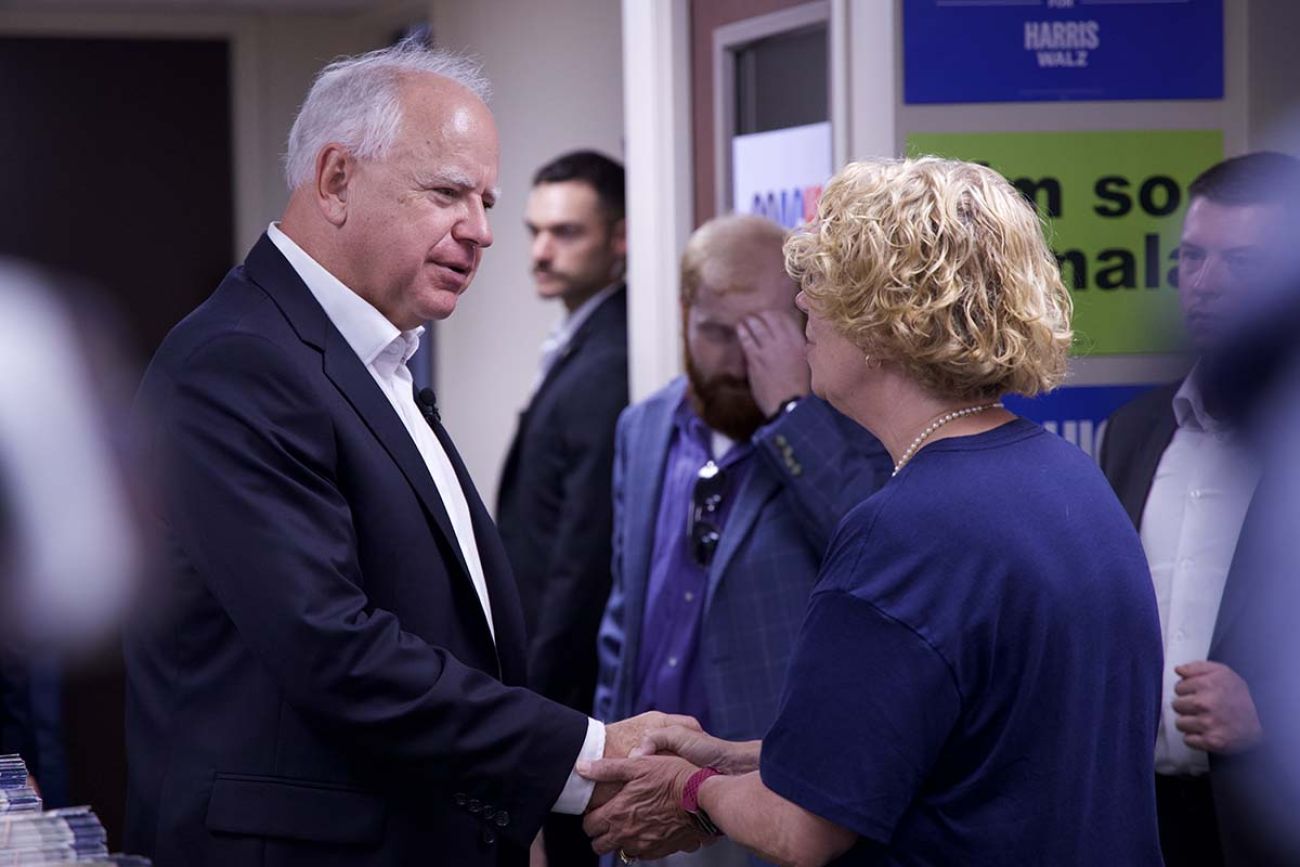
<point x="978" y="677"/>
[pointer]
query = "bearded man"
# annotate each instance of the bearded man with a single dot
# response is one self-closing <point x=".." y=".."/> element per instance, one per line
<point x="728" y="484"/>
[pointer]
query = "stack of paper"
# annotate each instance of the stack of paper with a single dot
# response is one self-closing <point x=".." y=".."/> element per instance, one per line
<point x="30" y="835"/>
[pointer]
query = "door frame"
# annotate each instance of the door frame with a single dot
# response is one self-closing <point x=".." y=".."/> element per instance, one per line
<point x="730" y="38"/>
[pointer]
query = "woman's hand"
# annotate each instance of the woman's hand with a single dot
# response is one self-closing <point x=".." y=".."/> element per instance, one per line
<point x="645" y="819"/>
<point x="701" y="749"/>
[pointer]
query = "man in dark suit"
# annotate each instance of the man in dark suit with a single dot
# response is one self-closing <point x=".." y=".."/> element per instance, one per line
<point x="335" y="673"/>
<point x="728" y="484"/>
<point x="554" y="505"/>
<point x="1187" y="480"/>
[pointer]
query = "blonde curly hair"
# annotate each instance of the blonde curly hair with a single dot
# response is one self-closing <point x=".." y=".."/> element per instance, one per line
<point x="940" y="267"/>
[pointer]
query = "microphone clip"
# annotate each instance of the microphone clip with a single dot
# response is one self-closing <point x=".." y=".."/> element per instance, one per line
<point x="428" y="403"/>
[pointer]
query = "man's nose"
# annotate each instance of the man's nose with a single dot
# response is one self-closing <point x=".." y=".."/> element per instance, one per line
<point x="734" y="362"/>
<point x="473" y="227"/>
<point x="1209" y="278"/>
<point x="541" y="249"/>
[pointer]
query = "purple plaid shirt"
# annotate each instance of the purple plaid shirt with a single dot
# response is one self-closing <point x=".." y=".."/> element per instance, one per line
<point x="668" y="669"/>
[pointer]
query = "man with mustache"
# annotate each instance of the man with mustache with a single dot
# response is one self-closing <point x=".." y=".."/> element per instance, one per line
<point x="727" y="486"/>
<point x="554" y="507"/>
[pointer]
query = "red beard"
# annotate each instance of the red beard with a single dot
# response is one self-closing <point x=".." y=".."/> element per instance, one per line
<point x="724" y="403"/>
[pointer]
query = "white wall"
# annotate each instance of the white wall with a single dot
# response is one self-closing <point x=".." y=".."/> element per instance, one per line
<point x="556" y="71"/>
<point x="285" y="52"/>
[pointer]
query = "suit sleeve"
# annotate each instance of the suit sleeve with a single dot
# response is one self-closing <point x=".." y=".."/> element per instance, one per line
<point x="828" y="463"/>
<point x="611" y="635"/>
<point x="578" y="574"/>
<point x="253" y="503"/>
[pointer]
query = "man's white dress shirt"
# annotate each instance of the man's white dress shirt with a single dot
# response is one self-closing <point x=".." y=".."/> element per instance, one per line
<point x="1190" y="526"/>
<point x="385" y="349"/>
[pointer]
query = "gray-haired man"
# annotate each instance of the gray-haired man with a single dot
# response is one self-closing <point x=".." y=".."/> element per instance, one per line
<point x="334" y="676"/>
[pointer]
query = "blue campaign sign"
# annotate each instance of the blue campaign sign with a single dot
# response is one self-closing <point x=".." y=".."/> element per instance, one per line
<point x="1076" y="412"/>
<point x="1038" y="50"/>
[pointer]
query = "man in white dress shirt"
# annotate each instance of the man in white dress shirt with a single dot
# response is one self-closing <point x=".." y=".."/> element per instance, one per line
<point x="1187" y="481"/>
<point x="336" y="672"/>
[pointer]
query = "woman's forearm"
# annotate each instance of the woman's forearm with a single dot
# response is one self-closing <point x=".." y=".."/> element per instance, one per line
<point x="776" y="830"/>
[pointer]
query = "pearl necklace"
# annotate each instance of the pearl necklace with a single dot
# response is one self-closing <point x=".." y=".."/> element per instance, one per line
<point x="934" y="426"/>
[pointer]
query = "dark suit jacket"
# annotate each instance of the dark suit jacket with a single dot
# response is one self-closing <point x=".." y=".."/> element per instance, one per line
<point x="1136" y="438"/>
<point x="555" y="508"/>
<point x="319" y="686"/>
<point x="1254" y="380"/>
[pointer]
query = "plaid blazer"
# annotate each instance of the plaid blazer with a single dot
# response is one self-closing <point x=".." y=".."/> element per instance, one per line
<point x="812" y="465"/>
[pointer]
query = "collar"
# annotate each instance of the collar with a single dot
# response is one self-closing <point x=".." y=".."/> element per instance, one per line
<point x="1189" y="407"/>
<point x="564" y="330"/>
<point x="372" y="337"/>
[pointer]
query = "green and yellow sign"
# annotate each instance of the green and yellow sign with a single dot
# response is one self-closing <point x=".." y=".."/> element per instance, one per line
<point x="1114" y="205"/>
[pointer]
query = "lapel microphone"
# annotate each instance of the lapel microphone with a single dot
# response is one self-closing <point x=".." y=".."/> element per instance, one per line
<point x="428" y="402"/>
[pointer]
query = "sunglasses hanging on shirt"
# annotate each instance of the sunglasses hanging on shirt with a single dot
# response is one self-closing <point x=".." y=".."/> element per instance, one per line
<point x="703" y="526"/>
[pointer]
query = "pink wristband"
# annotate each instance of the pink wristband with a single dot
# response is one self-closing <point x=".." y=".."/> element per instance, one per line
<point x="691" y="794"/>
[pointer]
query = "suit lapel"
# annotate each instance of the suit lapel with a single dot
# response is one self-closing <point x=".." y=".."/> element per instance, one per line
<point x="267" y="268"/>
<point x="351" y="378"/>
<point x="508" y="648"/>
<point x="613" y="307"/>
<point x="1147" y="462"/>
<point x="648" y="455"/>
<point x="759" y="486"/>
<point x="1237" y="589"/>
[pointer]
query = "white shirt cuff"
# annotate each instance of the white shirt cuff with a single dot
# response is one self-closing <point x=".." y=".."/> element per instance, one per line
<point x="577" y="790"/>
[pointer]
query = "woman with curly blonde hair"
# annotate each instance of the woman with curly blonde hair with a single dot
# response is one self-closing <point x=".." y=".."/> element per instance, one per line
<point x="977" y="680"/>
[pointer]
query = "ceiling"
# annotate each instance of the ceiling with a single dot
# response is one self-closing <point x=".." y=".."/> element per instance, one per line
<point x="286" y="6"/>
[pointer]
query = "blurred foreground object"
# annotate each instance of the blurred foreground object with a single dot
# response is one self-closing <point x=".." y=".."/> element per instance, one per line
<point x="68" y="553"/>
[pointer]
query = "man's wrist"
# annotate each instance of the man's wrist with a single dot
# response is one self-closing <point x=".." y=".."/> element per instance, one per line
<point x="784" y="406"/>
<point x="577" y="795"/>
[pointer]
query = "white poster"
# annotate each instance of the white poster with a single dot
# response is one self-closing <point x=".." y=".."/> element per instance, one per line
<point x="780" y="174"/>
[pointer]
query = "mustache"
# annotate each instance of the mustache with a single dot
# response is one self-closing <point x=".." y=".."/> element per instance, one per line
<point x="726" y="383"/>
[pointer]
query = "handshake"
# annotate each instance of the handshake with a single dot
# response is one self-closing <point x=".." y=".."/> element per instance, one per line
<point x="636" y="808"/>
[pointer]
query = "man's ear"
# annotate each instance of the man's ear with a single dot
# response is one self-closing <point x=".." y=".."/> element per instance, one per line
<point x="335" y="172"/>
<point x="618" y="238"/>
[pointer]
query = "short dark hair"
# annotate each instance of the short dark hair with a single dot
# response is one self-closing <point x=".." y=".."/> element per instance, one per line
<point x="1260" y="178"/>
<point x="598" y="171"/>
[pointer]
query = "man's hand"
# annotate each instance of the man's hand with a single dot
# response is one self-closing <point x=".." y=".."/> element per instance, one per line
<point x="701" y="749"/>
<point x="537" y="852"/>
<point x="773" y="344"/>
<point x="626" y="735"/>
<point x="1215" y="711"/>
<point x="645" y="819"/>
